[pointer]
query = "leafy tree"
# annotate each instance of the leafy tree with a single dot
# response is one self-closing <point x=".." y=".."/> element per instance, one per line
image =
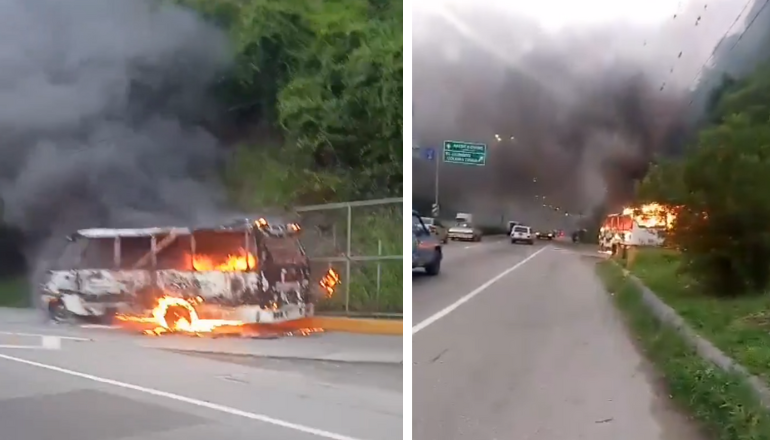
<point x="328" y="75"/>
<point x="722" y="227"/>
<point x="719" y="189"/>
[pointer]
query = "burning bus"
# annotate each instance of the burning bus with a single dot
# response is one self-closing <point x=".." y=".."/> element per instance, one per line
<point x="645" y="225"/>
<point x="187" y="279"/>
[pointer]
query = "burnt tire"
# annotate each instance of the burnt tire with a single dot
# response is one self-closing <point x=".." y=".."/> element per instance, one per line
<point x="58" y="311"/>
<point x="174" y="314"/>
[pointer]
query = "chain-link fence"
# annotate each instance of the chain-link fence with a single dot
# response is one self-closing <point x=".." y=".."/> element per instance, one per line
<point x="363" y="242"/>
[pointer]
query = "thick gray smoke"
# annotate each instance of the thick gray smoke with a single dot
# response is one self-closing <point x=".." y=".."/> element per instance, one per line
<point x="571" y="118"/>
<point x="101" y="110"/>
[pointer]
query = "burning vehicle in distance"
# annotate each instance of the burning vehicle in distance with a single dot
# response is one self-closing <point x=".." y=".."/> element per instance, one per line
<point x="187" y="279"/>
<point x="645" y="225"/>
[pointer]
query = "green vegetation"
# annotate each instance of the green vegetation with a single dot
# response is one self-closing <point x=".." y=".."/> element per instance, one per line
<point x="719" y="189"/>
<point x="327" y="76"/>
<point x="720" y="401"/>
<point x="739" y="326"/>
<point x="325" y="80"/>
<point x="14" y="292"/>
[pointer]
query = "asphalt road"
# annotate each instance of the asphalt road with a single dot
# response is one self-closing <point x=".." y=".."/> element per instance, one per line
<point x="534" y="350"/>
<point x="109" y="389"/>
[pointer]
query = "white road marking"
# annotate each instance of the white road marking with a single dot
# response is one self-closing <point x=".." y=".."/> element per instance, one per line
<point x="188" y="400"/>
<point x="27" y="347"/>
<point x="449" y="309"/>
<point x="40" y="335"/>
<point x="51" y="342"/>
<point x="100" y="326"/>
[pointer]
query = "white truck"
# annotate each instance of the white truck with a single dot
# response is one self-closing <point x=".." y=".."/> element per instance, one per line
<point x="463" y="217"/>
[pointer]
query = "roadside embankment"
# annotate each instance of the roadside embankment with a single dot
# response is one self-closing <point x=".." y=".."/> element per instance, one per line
<point x="713" y="352"/>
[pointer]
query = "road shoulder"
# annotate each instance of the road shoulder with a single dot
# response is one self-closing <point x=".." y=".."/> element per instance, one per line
<point x="722" y="402"/>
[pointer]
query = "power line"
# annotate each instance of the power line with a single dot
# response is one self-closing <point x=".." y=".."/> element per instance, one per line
<point x="727" y="32"/>
<point x="762" y="8"/>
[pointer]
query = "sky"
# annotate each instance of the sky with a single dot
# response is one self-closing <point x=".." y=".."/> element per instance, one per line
<point x="558" y="14"/>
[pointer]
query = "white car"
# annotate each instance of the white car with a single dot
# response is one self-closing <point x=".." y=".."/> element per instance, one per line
<point x="522" y="234"/>
<point x="464" y="231"/>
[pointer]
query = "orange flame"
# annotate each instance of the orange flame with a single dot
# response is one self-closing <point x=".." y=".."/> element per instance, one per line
<point x="173" y="314"/>
<point x="651" y="215"/>
<point x="329" y="282"/>
<point x="231" y="263"/>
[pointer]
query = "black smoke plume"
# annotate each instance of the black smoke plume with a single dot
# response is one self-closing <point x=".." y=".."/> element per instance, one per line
<point x="572" y="117"/>
<point x="103" y="109"/>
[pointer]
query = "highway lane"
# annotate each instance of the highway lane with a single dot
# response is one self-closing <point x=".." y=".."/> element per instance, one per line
<point x="540" y="354"/>
<point x="108" y="389"/>
<point x="464" y="268"/>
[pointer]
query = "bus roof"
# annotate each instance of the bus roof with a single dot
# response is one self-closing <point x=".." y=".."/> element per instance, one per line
<point x="129" y="232"/>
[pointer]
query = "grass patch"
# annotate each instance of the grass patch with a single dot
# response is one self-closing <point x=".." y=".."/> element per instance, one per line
<point x="14" y="292"/>
<point x="722" y="402"/>
<point x="740" y="327"/>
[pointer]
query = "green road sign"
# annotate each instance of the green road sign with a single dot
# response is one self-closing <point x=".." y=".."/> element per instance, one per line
<point x="465" y="153"/>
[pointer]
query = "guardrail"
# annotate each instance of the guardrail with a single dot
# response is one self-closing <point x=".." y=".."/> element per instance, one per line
<point x="362" y="240"/>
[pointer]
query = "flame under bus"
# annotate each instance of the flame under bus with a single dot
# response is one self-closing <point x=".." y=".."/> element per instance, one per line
<point x="243" y="272"/>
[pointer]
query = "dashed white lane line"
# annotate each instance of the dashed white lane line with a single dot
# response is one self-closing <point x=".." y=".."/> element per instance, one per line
<point x="41" y="335"/>
<point x="452" y="307"/>
<point x="47" y="342"/>
<point x="176" y="397"/>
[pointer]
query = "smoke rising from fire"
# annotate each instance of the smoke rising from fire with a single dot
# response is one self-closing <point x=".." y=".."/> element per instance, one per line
<point x="578" y="112"/>
<point x="101" y="104"/>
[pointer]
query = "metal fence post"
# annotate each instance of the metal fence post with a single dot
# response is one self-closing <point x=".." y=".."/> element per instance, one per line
<point x="379" y="271"/>
<point x="338" y="255"/>
<point x="347" y="261"/>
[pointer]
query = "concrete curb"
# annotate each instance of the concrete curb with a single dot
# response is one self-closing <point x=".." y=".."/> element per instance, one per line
<point x="348" y="358"/>
<point x="353" y="325"/>
<point x="708" y="351"/>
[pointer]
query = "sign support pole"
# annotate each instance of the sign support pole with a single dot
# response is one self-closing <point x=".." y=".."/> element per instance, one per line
<point x="439" y="158"/>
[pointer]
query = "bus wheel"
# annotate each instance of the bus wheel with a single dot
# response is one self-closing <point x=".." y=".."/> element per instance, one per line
<point x="175" y="314"/>
<point x="58" y="311"/>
